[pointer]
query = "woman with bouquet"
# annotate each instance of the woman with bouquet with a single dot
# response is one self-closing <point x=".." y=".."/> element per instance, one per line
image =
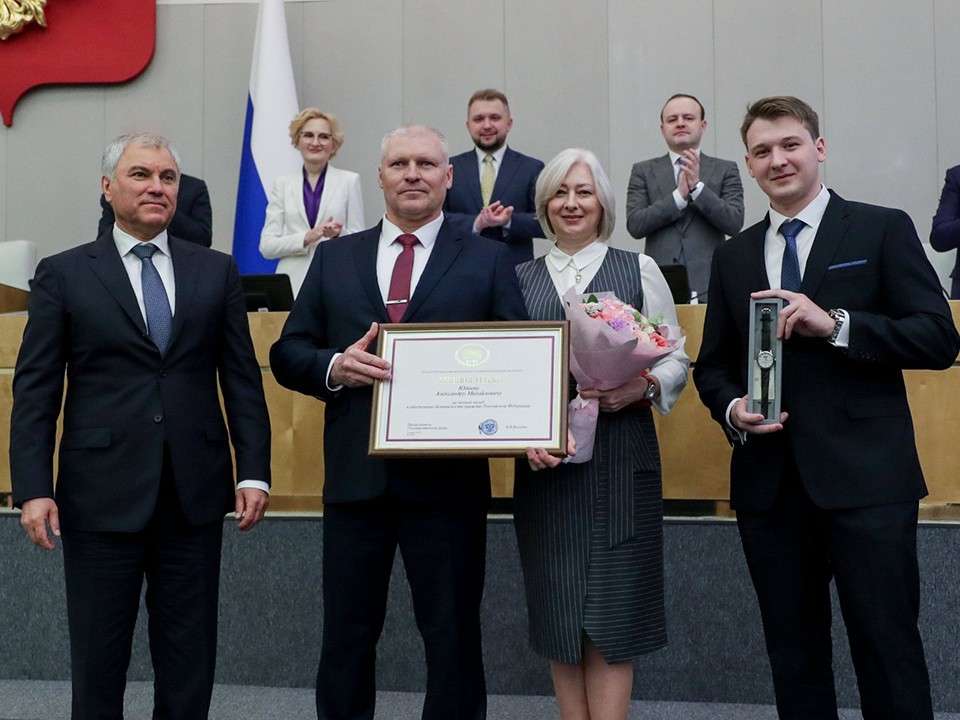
<point x="590" y="533"/>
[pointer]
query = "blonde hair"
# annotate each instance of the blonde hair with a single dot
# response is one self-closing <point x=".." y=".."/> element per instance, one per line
<point x="311" y="113"/>
<point x="552" y="177"/>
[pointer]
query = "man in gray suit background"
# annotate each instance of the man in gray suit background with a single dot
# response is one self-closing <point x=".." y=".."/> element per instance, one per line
<point x="684" y="202"/>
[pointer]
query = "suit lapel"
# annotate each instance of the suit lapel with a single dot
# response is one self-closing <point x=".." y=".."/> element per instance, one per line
<point x="445" y="252"/>
<point x="296" y="187"/>
<point x="185" y="277"/>
<point x="707" y="168"/>
<point x="755" y="262"/>
<point x="365" y="247"/>
<point x="508" y="168"/>
<point x="106" y="264"/>
<point x="465" y="175"/>
<point x="329" y="189"/>
<point x="833" y="227"/>
<point x="663" y="172"/>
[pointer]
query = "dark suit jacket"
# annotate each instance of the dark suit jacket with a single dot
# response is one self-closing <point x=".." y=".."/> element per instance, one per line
<point x="193" y="220"/>
<point x="945" y="233"/>
<point x="687" y="236"/>
<point x="467" y="279"/>
<point x="516" y="185"/>
<point x="849" y="429"/>
<point x="124" y="401"/>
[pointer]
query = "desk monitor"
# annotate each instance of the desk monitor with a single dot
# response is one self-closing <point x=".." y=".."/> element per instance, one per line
<point x="679" y="283"/>
<point x="267" y="293"/>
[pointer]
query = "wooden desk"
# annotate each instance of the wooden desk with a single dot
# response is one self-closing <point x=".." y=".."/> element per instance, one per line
<point x="696" y="457"/>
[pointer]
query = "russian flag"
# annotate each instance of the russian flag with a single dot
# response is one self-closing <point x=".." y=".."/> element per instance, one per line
<point x="267" y="152"/>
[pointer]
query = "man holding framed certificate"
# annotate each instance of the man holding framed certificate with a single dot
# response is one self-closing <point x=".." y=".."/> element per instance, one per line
<point x="412" y="267"/>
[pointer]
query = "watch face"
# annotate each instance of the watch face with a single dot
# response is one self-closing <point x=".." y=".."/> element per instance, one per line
<point x="765" y="359"/>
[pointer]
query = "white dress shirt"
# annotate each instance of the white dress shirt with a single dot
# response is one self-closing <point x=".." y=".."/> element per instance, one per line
<point x="695" y="191"/>
<point x="671" y="369"/>
<point x="387" y="253"/>
<point x="497" y="161"/>
<point x="774" y="245"/>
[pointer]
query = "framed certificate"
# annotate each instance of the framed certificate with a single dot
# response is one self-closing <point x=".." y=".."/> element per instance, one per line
<point x="488" y="389"/>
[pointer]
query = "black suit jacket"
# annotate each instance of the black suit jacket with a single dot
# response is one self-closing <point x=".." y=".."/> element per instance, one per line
<point x="849" y="429"/>
<point x="516" y="185"/>
<point x="124" y="401"/>
<point x="945" y="233"/>
<point x="192" y="221"/>
<point x="466" y="280"/>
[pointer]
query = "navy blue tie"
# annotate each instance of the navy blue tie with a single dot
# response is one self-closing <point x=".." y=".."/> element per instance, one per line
<point x="790" y="270"/>
<point x="155" y="300"/>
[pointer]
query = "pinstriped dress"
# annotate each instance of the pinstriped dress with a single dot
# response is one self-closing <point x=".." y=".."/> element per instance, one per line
<point x="590" y="534"/>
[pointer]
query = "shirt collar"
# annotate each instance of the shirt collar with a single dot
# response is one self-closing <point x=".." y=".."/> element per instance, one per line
<point x="581" y="259"/>
<point x="497" y="155"/>
<point x="812" y="214"/>
<point x="426" y="234"/>
<point x="676" y="156"/>
<point x="125" y="242"/>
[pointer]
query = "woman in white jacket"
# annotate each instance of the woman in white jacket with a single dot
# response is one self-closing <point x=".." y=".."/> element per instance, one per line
<point x="319" y="203"/>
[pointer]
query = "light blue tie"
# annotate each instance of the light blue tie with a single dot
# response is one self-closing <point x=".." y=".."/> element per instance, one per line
<point x="790" y="270"/>
<point x="159" y="317"/>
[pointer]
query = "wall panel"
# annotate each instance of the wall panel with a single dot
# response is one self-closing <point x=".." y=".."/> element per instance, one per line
<point x="652" y="56"/>
<point x="354" y="69"/>
<point x="763" y="49"/>
<point x="879" y="100"/>
<point x="883" y="74"/>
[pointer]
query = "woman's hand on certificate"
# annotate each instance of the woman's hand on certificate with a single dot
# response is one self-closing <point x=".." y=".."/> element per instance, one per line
<point x="540" y="459"/>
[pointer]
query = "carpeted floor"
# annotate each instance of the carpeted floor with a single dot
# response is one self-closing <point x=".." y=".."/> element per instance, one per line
<point x="41" y="700"/>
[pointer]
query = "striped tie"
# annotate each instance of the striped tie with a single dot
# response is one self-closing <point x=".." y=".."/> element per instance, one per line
<point x="155" y="300"/>
<point x="487" y="179"/>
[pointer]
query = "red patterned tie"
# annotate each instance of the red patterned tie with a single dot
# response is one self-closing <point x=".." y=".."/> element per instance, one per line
<point x="399" y="293"/>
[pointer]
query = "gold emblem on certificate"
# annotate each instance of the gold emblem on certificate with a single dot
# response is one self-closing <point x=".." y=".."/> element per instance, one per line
<point x="17" y="14"/>
<point x="490" y="389"/>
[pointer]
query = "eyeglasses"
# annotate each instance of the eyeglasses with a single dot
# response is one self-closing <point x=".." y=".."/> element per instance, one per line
<point x="319" y="137"/>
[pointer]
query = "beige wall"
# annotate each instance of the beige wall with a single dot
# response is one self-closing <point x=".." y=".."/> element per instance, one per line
<point x="884" y="74"/>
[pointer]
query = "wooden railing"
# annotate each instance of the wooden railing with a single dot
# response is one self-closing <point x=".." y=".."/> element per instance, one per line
<point x="696" y="457"/>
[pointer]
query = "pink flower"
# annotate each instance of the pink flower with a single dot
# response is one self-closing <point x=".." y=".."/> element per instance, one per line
<point x="611" y="342"/>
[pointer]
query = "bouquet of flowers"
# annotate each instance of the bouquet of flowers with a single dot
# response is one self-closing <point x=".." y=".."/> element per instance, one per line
<point x="610" y="343"/>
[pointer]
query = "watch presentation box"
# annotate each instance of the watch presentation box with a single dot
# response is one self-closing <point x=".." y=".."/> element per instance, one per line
<point x="766" y="360"/>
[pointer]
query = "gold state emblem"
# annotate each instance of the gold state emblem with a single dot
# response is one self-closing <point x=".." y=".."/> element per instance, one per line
<point x="17" y="14"/>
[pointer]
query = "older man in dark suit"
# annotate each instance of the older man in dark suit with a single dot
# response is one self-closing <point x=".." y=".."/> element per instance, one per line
<point x="147" y="327"/>
<point x="433" y="510"/>
<point x="831" y="490"/>
<point x="685" y="202"/>
<point x="493" y="185"/>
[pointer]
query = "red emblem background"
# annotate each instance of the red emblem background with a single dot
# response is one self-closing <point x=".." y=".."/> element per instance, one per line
<point x="85" y="41"/>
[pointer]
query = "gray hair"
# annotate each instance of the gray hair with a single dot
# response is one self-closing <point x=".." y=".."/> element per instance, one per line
<point x="113" y="151"/>
<point x="552" y="177"/>
<point x="406" y="130"/>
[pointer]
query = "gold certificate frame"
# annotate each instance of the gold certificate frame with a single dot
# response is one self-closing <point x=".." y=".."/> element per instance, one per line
<point x="487" y="389"/>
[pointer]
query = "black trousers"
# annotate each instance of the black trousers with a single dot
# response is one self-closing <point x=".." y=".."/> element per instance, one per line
<point x="792" y="552"/>
<point x="444" y="553"/>
<point x="104" y="576"/>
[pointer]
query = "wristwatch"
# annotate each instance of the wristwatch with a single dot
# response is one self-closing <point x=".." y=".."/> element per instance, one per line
<point x="839" y="317"/>
<point x="653" y="391"/>
<point x="765" y="359"/>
